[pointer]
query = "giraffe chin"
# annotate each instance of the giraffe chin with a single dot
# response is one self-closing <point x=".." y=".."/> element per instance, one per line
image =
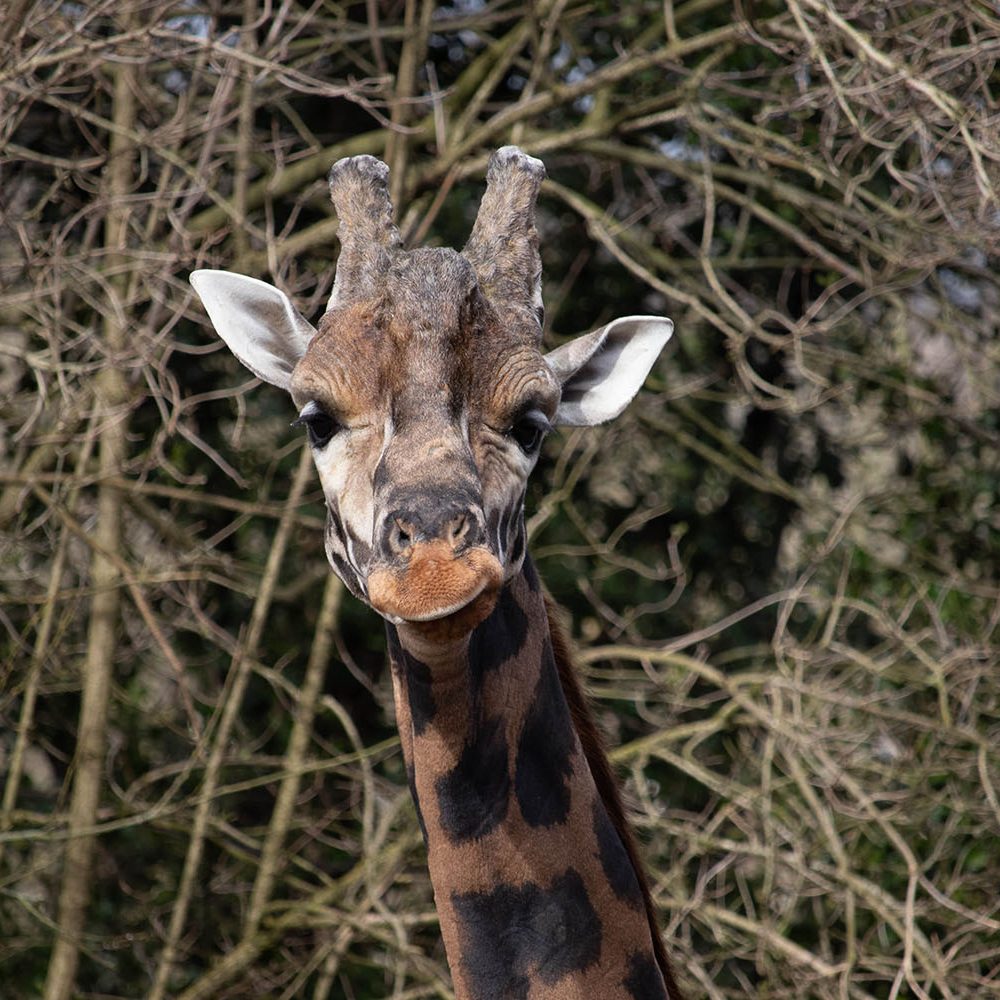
<point x="439" y="595"/>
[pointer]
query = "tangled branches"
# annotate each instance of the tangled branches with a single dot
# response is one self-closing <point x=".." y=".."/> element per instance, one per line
<point x="779" y="564"/>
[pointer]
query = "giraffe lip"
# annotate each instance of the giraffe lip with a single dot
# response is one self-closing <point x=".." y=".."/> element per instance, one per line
<point x="437" y="584"/>
<point x="438" y="613"/>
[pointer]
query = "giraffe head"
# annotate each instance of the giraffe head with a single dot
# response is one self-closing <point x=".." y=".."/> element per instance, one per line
<point x="425" y="394"/>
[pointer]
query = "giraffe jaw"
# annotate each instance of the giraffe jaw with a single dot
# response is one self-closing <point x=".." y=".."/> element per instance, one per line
<point x="437" y="593"/>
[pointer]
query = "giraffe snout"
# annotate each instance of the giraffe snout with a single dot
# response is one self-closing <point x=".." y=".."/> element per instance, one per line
<point x="433" y="568"/>
<point x="459" y="525"/>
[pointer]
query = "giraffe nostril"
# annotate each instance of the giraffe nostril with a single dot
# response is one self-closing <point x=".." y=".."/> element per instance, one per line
<point x="457" y="529"/>
<point x="400" y="536"/>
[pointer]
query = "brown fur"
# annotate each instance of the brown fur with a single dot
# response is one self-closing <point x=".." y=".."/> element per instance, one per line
<point x="435" y="583"/>
<point x="607" y="784"/>
<point x="511" y="850"/>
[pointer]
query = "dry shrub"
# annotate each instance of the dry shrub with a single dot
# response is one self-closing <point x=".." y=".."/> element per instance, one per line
<point x="781" y="563"/>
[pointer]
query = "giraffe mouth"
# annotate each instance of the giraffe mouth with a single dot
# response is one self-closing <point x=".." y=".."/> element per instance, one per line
<point x="437" y="588"/>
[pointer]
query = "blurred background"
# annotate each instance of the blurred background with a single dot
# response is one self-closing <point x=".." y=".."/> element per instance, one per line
<point x="780" y="564"/>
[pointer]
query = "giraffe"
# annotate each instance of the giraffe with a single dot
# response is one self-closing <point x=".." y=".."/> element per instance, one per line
<point x="425" y="397"/>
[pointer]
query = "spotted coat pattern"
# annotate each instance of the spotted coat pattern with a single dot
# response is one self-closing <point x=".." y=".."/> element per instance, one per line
<point x="535" y="891"/>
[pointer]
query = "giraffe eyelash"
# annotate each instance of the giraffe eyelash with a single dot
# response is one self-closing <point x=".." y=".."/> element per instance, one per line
<point x="320" y="426"/>
<point x="529" y="429"/>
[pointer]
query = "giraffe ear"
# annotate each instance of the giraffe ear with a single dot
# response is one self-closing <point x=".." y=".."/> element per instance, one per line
<point x="601" y="371"/>
<point x="257" y="321"/>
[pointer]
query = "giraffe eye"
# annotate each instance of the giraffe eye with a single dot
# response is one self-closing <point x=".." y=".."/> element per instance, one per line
<point x="529" y="430"/>
<point x="320" y="426"/>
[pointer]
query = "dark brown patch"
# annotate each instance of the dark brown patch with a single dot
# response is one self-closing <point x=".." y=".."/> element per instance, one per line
<point x="499" y="638"/>
<point x="607" y="786"/>
<point x="416" y="677"/>
<point x="530" y="575"/>
<point x="516" y="933"/>
<point x="615" y="861"/>
<point x="545" y="751"/>
<point x="644" y="981"/>
<point x="474" y="795"/>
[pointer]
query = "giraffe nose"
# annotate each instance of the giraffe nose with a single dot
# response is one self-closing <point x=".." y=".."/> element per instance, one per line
<point x="459" y="526"/>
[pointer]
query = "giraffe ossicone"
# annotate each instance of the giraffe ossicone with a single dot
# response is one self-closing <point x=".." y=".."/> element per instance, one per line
<point x="426" y="395"/>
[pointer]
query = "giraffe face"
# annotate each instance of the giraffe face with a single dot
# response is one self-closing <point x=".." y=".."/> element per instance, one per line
<point x="425" y="393"/>
<point x="426" y="409"/>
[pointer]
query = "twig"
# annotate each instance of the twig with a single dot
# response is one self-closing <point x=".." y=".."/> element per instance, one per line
<point x="110" y="397"/>
<point x="235" y="687"/>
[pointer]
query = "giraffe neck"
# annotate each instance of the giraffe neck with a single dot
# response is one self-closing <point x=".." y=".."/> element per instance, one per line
<point x="537" y="892"/>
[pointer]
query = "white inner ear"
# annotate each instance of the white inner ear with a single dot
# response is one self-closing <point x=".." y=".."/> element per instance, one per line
<point x="601" y="371"/>
<point x="257" y="321"/>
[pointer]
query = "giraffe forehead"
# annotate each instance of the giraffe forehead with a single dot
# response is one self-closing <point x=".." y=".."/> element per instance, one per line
<point x="344" y="366"/>
<point x="512" y="376"/>
<point x="412" y="355"/>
